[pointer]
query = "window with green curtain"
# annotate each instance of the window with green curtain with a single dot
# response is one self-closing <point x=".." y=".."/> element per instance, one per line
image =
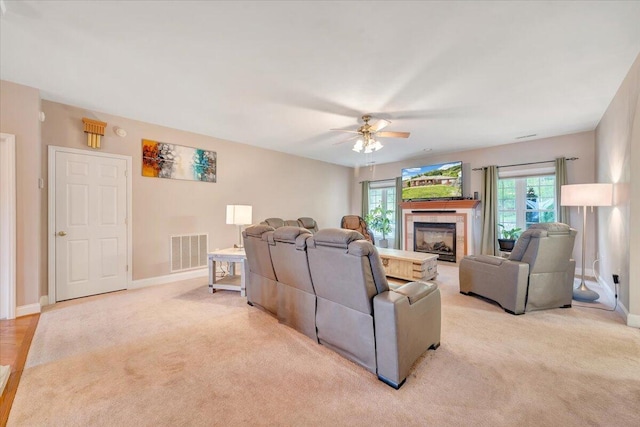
<point x="383" y="193"/>
<point x="526" y="200"/>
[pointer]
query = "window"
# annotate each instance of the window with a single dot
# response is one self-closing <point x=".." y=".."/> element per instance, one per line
<point x="527" y="200"/>
<point x="383" y="193"/>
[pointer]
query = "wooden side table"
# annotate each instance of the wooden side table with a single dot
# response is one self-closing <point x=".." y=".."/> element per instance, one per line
<point x="232" y="282"/>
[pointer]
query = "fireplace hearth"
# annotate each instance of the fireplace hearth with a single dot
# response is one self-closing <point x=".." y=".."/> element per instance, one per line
<point x="435" y="238"/>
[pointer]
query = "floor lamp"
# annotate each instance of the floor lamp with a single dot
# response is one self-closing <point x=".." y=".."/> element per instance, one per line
<point x="239" y="215"/>
<point x="583" y="195"/>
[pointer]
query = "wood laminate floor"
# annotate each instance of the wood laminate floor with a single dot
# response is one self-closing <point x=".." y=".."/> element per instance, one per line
<point x="15" y="340"/>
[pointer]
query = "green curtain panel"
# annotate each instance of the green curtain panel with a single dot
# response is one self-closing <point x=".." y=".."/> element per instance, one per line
<point x="398" y="236"/>
<point x="489" y="244"/>
<point x="365" y="199"/>
<point x="561" y="179"/>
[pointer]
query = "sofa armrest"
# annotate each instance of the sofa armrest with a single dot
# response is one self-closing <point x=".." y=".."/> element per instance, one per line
<point x="415" y="291"/>
<point x="407" y="323"/>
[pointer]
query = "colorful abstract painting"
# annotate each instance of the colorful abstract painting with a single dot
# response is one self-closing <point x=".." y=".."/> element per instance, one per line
<point x="162" y="160"/>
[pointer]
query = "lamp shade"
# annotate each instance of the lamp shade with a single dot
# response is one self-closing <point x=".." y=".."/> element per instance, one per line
<point x="586" y="195"/>
<point x="239" y="214"/>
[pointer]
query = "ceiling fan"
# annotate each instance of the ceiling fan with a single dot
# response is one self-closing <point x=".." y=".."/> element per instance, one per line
<point x="368" y="135"/>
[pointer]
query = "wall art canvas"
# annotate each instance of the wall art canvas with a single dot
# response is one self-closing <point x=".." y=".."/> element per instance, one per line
<point x="162" y="160"/>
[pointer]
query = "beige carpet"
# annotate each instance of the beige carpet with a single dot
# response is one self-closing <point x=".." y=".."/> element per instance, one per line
<point x="176" y="355"/>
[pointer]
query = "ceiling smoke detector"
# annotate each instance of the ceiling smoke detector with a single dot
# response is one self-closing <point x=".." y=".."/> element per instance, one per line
<point x="120" y="132"/>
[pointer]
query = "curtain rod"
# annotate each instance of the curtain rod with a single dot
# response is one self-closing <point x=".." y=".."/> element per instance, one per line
<point x="524" y="164"/>
<point x="379" y="180"/>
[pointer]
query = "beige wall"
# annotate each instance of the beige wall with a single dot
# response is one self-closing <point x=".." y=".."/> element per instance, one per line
<point x="618" y="161"/>
<point x="275" y="184"/>
<point x="579" y="145"/>
<point x="19" y="109"/>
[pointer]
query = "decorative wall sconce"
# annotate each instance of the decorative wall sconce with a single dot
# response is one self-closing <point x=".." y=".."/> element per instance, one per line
<point x="94" y="130"/>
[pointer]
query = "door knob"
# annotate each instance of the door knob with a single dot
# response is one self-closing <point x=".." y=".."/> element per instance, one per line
<point x="61" y="233"/>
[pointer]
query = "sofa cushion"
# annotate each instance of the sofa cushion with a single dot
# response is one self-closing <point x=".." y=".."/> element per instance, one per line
<point x="257" y="230"/>
<point x="288" y="234"/>
<point x="308" y="223"/>
<point x="274" y="222"/>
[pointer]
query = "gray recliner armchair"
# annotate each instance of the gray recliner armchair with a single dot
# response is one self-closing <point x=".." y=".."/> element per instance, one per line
<point x="537" y="275"/>
<point x="358" y="316"/>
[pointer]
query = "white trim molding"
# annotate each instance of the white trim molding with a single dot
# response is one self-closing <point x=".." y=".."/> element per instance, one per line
<point x="25" y="310"/>
<point x="169" y="278"/>
<point x="7" y="226"/>
<point x="53" y="150"/>
<point x="633" y="320"/>
<point x="5" y="371"/>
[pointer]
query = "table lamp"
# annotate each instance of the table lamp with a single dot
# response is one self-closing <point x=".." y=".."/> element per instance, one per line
<point x="583" y="195"/>
<point x="239" y="215"/>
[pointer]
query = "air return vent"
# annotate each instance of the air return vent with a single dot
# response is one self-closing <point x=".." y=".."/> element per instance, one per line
<point x="188" y="251"/>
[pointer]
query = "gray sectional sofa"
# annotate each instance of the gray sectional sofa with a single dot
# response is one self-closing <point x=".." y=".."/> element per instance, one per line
<point x="304" y="222"/>
<point x="331" y="286"/>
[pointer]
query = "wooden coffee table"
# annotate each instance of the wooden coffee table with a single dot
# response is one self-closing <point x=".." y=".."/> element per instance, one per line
<point x="409" y="265"/>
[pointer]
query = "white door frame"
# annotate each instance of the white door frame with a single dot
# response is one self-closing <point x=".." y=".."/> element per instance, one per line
<point x="52" y="212"/>
<point x="7" y="226"/>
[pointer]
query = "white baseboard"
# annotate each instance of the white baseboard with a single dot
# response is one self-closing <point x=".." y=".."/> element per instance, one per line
<point x="633" y="320"/>
<point x="5" y="371"/>
<point x="25" y="310"/>
<point x="161" y="280"/>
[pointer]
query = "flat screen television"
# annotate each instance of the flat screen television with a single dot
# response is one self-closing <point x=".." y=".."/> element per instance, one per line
<point x="433" y="182"/>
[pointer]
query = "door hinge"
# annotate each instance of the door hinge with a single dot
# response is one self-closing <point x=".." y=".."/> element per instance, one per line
<point x="125" y="173"/>
<point x="127" y="267"/>
<point x="126" y="221"/>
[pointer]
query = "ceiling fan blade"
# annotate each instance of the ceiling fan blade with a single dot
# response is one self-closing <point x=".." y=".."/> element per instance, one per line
<point x="344" y="130"/>
<point x="380" y="124"/>
<point x="346" y="140"/>
<point x="393" y="134"/>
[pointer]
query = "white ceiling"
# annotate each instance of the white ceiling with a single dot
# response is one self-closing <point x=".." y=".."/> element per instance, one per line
<point x="457" y="75"/>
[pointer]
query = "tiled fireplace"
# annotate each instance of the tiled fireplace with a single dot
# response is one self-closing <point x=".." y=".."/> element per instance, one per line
<point x="444" y="228"/>
<point x="435" y="238"/>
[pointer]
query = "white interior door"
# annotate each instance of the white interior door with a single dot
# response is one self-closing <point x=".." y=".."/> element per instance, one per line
<point x="90" y="224"/>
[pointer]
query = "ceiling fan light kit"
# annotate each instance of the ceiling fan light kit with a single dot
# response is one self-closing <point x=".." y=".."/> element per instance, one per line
<point x="369" y="145"/>
<point x="368" y="134"/>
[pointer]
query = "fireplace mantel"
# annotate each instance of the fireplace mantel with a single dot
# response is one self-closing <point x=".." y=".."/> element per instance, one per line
<point x="440" y="204"/>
